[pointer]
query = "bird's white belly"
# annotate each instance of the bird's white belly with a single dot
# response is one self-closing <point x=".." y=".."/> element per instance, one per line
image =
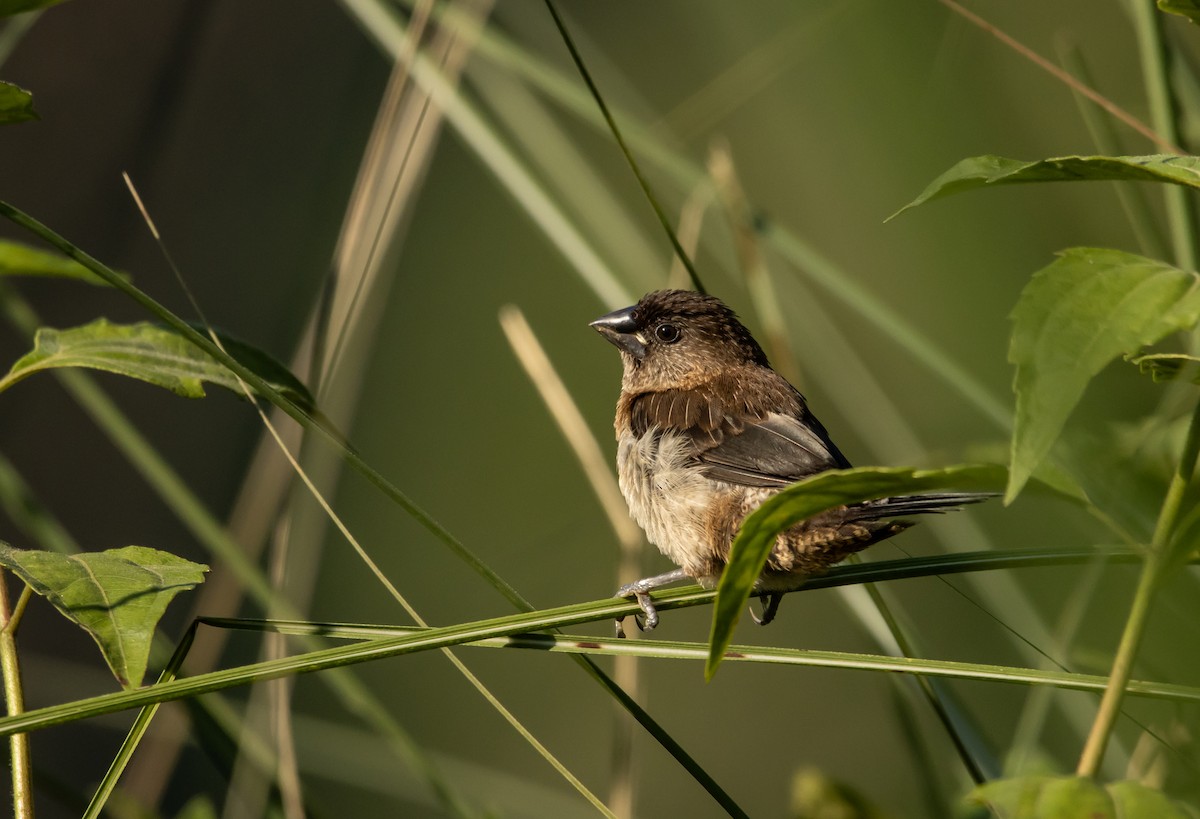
<point x="668" y="496"/>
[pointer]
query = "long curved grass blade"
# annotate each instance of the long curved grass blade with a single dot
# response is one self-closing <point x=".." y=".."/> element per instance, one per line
<point x="533" y="621"/>
<point x="982" y="171"/>
<point x="1184" y="8"/>
<point x="503" y="627"/>
<point x="17" y="259"/>
<point x="771" y="655"/>
<point x="810" y="497"/>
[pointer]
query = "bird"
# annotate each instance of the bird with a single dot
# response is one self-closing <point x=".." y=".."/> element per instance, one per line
<point x="706" y="431"/>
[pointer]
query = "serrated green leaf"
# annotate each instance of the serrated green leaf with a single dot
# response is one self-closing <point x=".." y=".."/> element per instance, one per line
<point x="1166" y="366"/>
<point x="980" y="171"/>
<point x="17" y="259"/>
<point x="1184" y="8"/>
<point x="151" y="353"/>
<point x="16" y="104"/>
<point x="116" y="596"/>
<point x="809" y="497"/>
<point x="1075" y="316"/>
<point x="1072" y="797"/>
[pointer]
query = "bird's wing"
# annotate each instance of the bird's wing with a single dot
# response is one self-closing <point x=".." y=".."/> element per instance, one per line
<point x="771" y="451"/>
<point x="740" y="443"/>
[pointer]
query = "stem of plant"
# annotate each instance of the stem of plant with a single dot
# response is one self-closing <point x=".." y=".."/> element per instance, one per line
<point x="1152" y="571"/>
<point x="14" y="700"/>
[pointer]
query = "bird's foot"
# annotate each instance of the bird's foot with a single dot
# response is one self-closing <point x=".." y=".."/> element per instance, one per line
<point x="770" y="608"/>
<point x="646" y="602"/>
<point x="640" y="590"/>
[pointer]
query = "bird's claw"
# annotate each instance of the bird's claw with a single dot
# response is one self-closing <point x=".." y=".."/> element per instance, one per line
<point x="647" y="605"/>
<point x="770" y="608"/>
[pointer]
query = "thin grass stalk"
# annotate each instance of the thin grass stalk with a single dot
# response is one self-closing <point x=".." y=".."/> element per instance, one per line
<point x="1181" y="216"/>
<point x="589" y="612"/>
<point x="1157" y="560"/>
<point x="19" y="758"/>
<point x="526" y="623"/>
<point x="951" y="718"/>
<point x="773" y="655"/>
<point x="584" y="193"/>
<point x="265" y="717"/>
<point x="137" y="731"/>
<point x="583" y="444"/>
<point x="571" y="423"/>
<point x="625" y="151"/>
<point x="751" y="264"/>
<point x="1137" y="210"/>
<point x="1159" y="138"/>
<point x="691" y="219"/>
<point x="1035" y="712"/>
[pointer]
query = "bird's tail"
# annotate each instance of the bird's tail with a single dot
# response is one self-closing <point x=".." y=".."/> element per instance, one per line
<point x="902" y="505"/>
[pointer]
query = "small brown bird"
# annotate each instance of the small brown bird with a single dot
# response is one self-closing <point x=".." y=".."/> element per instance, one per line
<point x="706" y="431"/>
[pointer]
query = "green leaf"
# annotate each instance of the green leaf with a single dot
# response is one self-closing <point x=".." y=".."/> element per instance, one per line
<point x="1071" y="797"/>
<point x="1184" y="8"/>
<point x="117" y="596"/>
<point x="816" y="794"/>
<point x="16" y="104"/>
<point x="151" y="353"/>
<point x="809" y="497"/>
<point x="978" y="171"/>
<point x="1133" y="800"/>
<point x="1166" y="366"/>
<point x="17" y="259"/>
<point x="1073" y="318"/>
<point x="199" y="807"/>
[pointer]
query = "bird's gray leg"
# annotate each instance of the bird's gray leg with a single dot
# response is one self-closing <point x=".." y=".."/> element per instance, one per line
<point x="771" y="602"/>
<point x="641" y="590"/>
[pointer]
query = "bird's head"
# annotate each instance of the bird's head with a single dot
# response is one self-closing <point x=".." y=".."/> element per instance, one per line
<point x="675" y="339"/>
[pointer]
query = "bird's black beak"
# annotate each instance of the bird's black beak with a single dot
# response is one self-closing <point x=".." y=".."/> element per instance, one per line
<point x="621" y="329"/>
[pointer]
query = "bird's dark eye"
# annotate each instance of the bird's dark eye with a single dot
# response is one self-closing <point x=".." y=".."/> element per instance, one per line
<point x="667" y="333"/>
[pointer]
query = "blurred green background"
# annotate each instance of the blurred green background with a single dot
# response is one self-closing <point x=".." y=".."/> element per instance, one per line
<point x="243" y="124"/>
